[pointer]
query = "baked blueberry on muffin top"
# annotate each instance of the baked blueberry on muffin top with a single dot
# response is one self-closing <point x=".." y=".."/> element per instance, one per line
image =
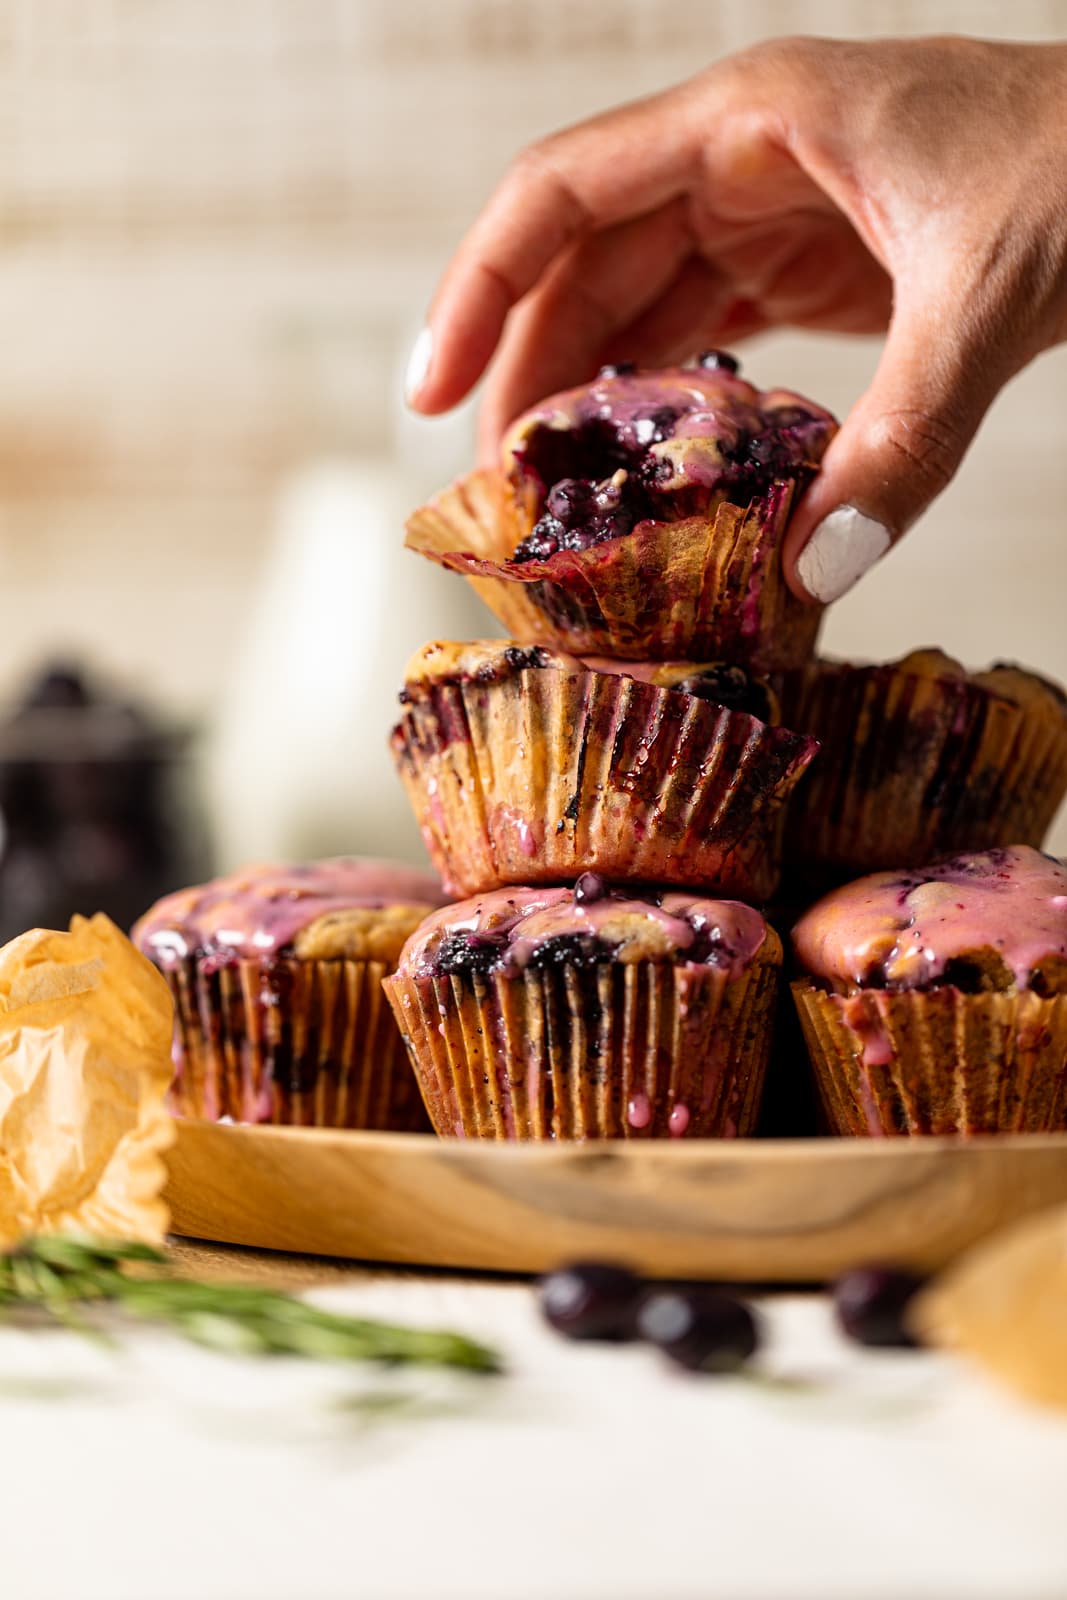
<point x="638" y="446"/>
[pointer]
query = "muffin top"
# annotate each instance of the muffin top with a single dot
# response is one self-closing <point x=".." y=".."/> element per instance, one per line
<point x="495" y="660"/>
<point x="638" y="446"/>
<point x="349" y="906"/>
<point x="1010" y="682"/>
<point x="508" y="930"/>
<point x="989" y="921"/>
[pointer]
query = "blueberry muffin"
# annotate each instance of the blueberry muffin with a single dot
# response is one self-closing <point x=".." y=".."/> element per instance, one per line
<point x="641" y="516"/>
<point x="935" y="1001"/>
<point x="539" y="1013"/>
<point x="276" y="974"/>
<point x="919" y="758"/>
<point x="526" y="765"/>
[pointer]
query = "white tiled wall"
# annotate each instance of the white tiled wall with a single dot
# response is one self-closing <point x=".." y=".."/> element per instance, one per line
<point x="218" y="226"/>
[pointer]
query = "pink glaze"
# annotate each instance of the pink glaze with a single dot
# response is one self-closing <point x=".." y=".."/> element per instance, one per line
<point x="717" y="409"/>
<point x="643" y="671"/>
<point x="907" y="926"/>
<point x="678" y="1121"/>
<point x="529" y="836"/>
<point x="259" y="910"/>
<point x="523" y="919"/>
<point x="638" y="1112"/>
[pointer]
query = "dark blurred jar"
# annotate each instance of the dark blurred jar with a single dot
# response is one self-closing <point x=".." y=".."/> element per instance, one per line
<point x="97" y="808"/>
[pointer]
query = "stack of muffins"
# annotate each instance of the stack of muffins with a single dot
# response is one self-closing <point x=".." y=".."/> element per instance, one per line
<point x="596" y="782"/>
<point x="616" y="790"/>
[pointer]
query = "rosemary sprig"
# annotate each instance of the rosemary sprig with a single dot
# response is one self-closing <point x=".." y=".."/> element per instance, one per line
<point x="59" y="1277"/>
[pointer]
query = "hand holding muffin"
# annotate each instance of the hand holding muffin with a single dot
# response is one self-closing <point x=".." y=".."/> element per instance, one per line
<point x="641" y="516"/>
<point x="804" y="183"/>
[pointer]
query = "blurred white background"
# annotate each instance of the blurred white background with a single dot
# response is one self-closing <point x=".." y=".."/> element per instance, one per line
<point x="219" y="225"/>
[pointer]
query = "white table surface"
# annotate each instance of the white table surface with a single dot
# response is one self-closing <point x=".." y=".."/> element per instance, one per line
<point x="167" y="1472"/>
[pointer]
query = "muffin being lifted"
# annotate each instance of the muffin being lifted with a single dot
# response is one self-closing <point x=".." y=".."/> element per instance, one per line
<point x="526" y="765"/>
<point x="642" y="516"/>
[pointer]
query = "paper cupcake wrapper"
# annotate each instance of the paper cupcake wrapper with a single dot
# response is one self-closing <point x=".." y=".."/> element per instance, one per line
<point x="705" y="588"/>
<point x="913" y="767"/>
<point x="301" y="1043"/>
<point x="937" y="1062"/>
<point x="548" y="774"/>
<point x="645" y="1050"/>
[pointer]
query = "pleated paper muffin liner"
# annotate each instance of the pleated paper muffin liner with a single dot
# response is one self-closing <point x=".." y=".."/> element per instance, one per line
<point x="915" y="766"/>
<point x="706" y="587"/>
<point x="546" y="774"/>
<point x="616" y="1051"/>
<point x="937" y="1061"/>
<point x="303" y="1043"/>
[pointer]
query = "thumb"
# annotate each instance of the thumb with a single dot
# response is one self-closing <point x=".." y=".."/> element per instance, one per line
<point x="899" y="447"/>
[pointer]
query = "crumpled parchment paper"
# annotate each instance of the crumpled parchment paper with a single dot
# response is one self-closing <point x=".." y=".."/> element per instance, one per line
<point x="85" y="1063"/>
<point x="1004" y="1305"/>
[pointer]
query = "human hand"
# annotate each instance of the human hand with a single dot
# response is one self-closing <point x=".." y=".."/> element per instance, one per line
<point x="915" y="185"/>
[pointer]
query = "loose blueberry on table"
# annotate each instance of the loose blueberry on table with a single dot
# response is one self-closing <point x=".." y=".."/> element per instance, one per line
<point x="702" y="1329"/>
<point x="592" y="1300"/>
<point x="699" y="1328"/>
<point x="871" y="1304"/>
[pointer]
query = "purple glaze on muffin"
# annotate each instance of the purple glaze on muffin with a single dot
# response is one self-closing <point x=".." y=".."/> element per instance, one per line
<point x="975" y="922"/>
<point x="509" y="930"/>
<point x="258" y="911"/>
<point x="635" y="447"/>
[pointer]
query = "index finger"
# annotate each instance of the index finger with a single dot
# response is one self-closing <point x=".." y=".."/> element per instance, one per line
<point x="614" y="166"/>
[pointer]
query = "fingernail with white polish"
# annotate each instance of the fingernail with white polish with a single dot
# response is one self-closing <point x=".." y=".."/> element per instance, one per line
<point x="840" y="551"/>
<point x="418" y="365"/>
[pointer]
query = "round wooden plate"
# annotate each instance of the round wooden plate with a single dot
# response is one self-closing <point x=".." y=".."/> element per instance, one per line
<point x="773" y="1210"/>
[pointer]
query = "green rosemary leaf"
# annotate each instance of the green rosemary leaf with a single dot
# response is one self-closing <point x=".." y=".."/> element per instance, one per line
<point x="56" y="1276"/>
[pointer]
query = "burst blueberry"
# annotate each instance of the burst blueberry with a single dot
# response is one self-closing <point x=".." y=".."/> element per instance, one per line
<point x="590" y="886"/>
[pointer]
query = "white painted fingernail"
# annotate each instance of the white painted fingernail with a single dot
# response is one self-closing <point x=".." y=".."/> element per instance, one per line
<point x="840" y="551"/>
<point x="418" y="364"/>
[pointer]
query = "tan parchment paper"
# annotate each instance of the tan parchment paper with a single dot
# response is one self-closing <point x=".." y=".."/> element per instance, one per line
<point x="85" y="1062"/>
